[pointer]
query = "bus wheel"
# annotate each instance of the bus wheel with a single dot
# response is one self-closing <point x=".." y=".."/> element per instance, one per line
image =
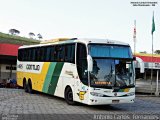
<point x="25" y="87"/>
<point x="69" y="96"/>
<point x="29" y="86"/>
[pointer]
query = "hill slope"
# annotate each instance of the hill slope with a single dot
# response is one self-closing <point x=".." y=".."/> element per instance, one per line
<point x="13" y="39"/>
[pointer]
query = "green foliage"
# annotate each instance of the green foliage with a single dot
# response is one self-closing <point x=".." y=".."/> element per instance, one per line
<point x="143" y="52"/>
<point x="14" y="31"/>
<point x="157" y="51"/>
<point x="31" y="34"/>
<point x="6" y="38"/>
<point x="39" y="36"/>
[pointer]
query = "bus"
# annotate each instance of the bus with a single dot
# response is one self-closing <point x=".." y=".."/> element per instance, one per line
<point x="89" y="71"/>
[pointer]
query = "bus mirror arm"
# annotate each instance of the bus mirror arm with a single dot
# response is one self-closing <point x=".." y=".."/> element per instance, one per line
<point x="90" y="63"/>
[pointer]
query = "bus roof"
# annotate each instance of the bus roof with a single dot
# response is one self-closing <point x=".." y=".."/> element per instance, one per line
<point x="75" y="40"/>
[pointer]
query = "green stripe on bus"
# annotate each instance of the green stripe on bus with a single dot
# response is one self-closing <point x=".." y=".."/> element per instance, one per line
<point x="55" y="77"/>
<point x="48" y="77"/>
<point x="121" y="90"/>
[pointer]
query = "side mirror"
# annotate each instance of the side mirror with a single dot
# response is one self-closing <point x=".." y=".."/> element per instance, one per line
<point x="134" y="58"/>
<point x="90" y="63"/>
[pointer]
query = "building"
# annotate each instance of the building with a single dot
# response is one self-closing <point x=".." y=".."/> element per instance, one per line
<point x="8" y="53"/>
<point x="145" y="64"/>
<point x="147" y="73"/>
<point x="9" y="45"/>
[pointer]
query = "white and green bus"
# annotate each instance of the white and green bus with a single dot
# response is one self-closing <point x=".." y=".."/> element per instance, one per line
<point x="89" y="71"/>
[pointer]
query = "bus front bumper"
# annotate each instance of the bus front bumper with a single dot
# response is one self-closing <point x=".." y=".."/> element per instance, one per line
<point x="110" y="100"/>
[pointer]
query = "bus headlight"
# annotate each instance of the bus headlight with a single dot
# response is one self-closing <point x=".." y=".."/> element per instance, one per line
<point x="131" y="94"/>
<point x="96" y="94"/>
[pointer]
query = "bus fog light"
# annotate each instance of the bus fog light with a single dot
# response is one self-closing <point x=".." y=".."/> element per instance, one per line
<point x="96" y="94"/>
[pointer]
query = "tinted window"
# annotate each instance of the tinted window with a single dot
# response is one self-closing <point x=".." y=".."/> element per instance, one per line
<point x="70" y="53"/>
<point x="30" y="55"/>
<point x="110" y="51"/>
<point x="48" y="54"/>
<point x="59" y="55"/>
<point x="56" y="53"/>
<point x="20" y="55"/>
<point x="42" y="53"/>
<point x="82" y="63"/>
<point x="33" y="54"/>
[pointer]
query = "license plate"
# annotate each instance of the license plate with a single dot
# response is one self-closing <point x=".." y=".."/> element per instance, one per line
<point x="115" y="101"/>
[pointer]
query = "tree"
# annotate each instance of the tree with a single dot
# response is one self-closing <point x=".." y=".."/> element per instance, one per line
<point x="157" y="51"/>
<point x="14" y="31"/>
<point x="17" y="31"/>
<point x="39" y="36"/>
<point x="143" y="52"/>
<point x="31" y="34"/>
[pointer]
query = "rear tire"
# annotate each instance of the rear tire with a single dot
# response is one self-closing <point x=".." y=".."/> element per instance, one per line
<point x="29" y="86"/>
<point x="25" y="87"/>
<point x="69" y="96"/>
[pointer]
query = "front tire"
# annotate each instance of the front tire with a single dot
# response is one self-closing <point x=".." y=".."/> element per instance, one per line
<point x="69" y="96"/>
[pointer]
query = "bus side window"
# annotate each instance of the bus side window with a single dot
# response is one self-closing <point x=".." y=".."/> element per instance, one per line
<point x="52" y="53"/>
<point x="37" y="54"/>
<point x="20" y="54"/>
<point x="55" y="53"/>
<point x="42" y="53"/>
<point x="29" y="54"/>
<point x="33" y="54"/>
<point x="70" y="53"/>
<point x="59" y="53"/>
<point x="25" y="54"/>
<point x="66" y="53"/>
<point x="48" y="54"/>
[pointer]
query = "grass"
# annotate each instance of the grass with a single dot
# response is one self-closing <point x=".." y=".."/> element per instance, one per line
<point x="14" y="39"/>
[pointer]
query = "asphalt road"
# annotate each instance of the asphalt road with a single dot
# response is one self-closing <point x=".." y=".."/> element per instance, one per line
<point x="16" y="104"/>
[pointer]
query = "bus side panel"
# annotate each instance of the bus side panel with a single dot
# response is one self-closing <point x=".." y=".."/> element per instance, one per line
<point x="69" y="77"/>
<point x="52" y="78"/>
<point x="39" y="79"/>
<point x="48" y="77"/>
<point x="36" y="76"/>
<point x="66" y="79"/>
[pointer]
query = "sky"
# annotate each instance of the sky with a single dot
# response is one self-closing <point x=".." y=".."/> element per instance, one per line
<point x="106" y="19"/>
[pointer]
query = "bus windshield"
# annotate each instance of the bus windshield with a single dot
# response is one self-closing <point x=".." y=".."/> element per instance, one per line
<point x="111" y="68"/>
